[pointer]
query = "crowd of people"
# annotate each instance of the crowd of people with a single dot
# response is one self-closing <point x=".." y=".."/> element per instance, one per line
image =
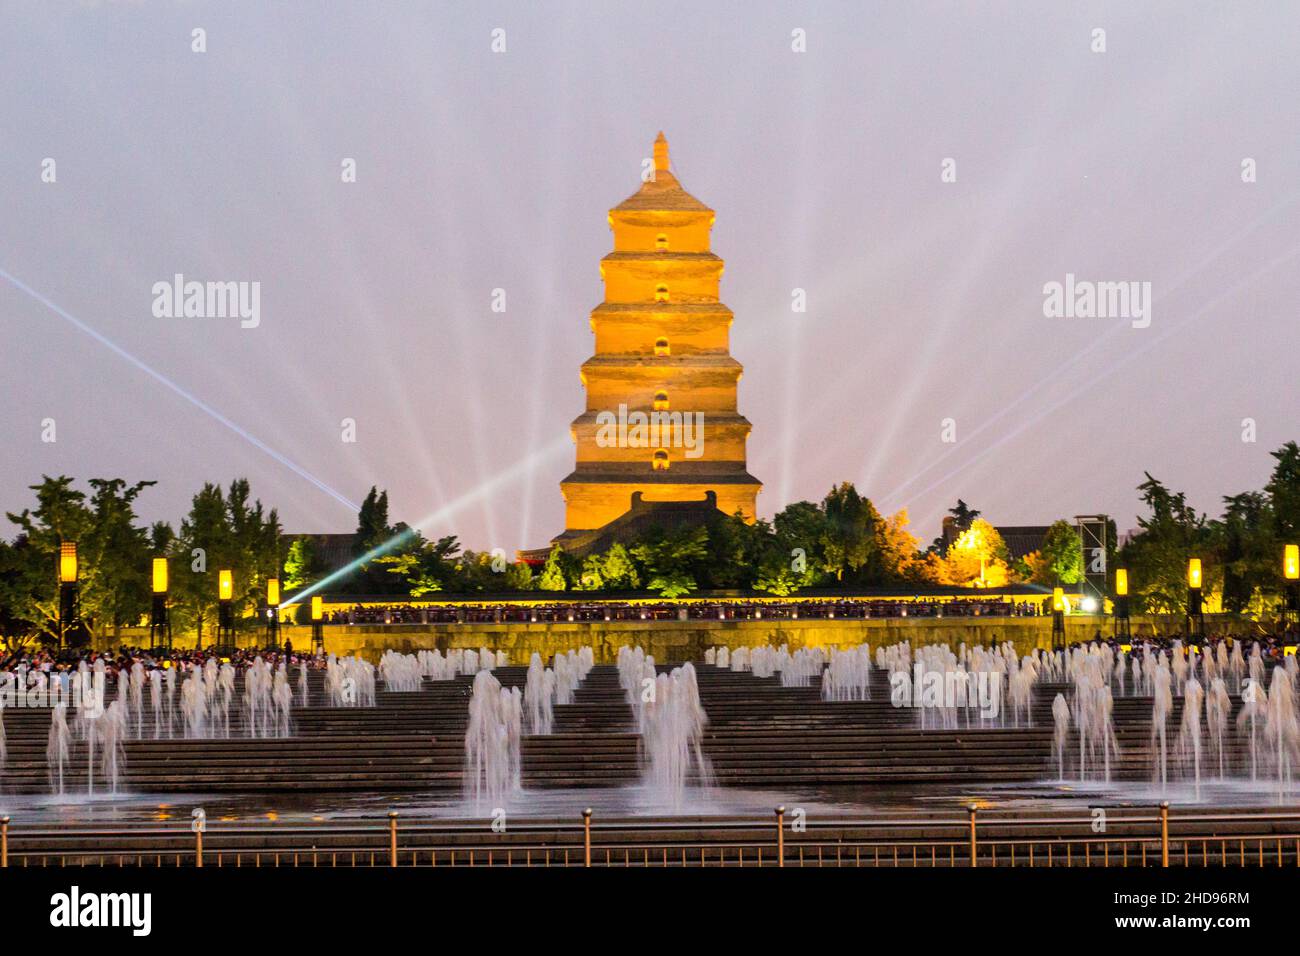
<point x="1273" y="643"/>
<point x="719" y="610"/>
<point x="54" y="660"/>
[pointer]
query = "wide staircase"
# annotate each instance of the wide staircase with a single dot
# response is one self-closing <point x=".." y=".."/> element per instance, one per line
<point x="759" y="735"/>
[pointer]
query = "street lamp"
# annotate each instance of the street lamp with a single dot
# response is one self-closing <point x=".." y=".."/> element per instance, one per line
<point x="317" y="626"/>
<point x="1058" y="618"/>
<point x="1291" y="577"/>
<point x="225" y="610"/>
<point x="160" y="628"/>
<point x="272" y="611"/>
<point x="66" y="572"/>
<point x="1195" y="614"/>
<point x="1121" y="604"/>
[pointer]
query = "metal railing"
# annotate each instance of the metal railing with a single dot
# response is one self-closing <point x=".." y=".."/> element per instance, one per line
<point x="1143" y="838"/>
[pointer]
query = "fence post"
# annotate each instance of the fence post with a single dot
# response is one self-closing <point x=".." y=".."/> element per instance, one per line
<point x="4" y="842"/>
<point x="973" y="810"/>
<point x="1164" y="833"/>
<point x="586" y="837"/>
<point x="392" y="838"/>
<point x="780" y="836"/>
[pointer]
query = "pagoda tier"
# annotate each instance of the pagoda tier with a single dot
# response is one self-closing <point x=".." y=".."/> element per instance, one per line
<point x="662" y="357"/>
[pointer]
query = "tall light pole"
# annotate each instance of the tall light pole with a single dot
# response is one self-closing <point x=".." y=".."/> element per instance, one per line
<point x="272" y="612"/>
<point x="1291" y="579"/>
<point x="160" y="627"/>
<point x="317" y="626"/>
<point x="66" y="571"/>
<point x="1058" y="618"/>
<point x="225" y="610"/>
<point x="1195" y="614"/>
<point x="1122" y="630"/>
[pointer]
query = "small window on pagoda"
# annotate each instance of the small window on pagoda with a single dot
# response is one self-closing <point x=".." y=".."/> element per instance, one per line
<point x="661" y="347"/>
<point x="661" y="293"/>
<point x="660" y="461"/>
<point x="661" y="241"/>
<point x="661" y="401"/>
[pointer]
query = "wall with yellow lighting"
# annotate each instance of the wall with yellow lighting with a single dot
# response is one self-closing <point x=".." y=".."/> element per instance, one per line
<point x="675" y="641"/>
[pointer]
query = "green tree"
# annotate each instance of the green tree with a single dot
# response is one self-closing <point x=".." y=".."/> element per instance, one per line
<point x="300" y="567"/>
<point x="592" y="575"/>
<point x="1283" y="490"/>
<point x="426" y="566"/>
<point x="553" y="576"/>
<point x="1157" y="555"/>
<point x="848" y="542"/>
<point x="1247" y="551"/>
<point x="618" y="570"/>
<point x="1061" y="556"/>
<point x="671" y="559"/>
<point x="519" y="577"/>
<point x="60" y="515"/>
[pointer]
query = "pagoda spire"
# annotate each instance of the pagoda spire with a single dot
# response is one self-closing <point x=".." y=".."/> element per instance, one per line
<point x="661" y="153"/>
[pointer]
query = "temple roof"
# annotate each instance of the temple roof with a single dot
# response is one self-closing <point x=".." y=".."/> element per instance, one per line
<point x="663" y="192"/>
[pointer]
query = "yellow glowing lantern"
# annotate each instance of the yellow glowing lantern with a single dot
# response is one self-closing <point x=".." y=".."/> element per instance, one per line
<point x="317" y="611"/>
<point x="225" y="585"/>
<point x="272" y="592"/>
<point x="68" y="562"/>
<point x="1194" y="573"/>
<point x="159" y="575"/>
<point x="1058" y="599"/>
<point x="1291" y="562"/>
<point x="1121" y="582"/>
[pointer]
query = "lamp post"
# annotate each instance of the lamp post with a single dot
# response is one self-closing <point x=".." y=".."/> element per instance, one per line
<point x="66" y="571"/>
<point x="225" y="610"/>
<point x="1195" y="614"/>
<point x="317" y="626"/>
<point x="1291" y="579"/>
<point x="1058" y="619"/>
<point x="1121" y="605"/>
<point x="160" y="626"/>
<point x="272" y="612"/>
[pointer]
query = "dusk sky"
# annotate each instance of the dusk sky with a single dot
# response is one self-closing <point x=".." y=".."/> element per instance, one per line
<point x="479" y="170"/>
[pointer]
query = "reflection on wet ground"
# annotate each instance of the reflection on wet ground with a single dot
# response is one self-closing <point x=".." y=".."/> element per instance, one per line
<point x="636" y="801"/>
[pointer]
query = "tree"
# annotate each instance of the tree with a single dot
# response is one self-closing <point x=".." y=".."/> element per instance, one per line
<point x="60" y="515"/>
<point x="1059" y="560"/>
<point x="799" y="529"/>
<point x="1247" y="551"/>
<point x="1157" y="555"/>
<point x="618" y="570"/>
<point x="553" y="577"/>
<point x="16" y="628"/>
<point x="222" y="532"/>
<point x="847" y="542"/>
<point x="672" y="559"/>
<point x="426" y="566"/>
<point x="898" y="549"/>
<point x="519" y="577"/>
<point x="115" y="552"/>
<point x="591" y="577"/>
<point x="300" y="567"/>
<point x="978" y="557"/>
<point x="1283" y="490"/>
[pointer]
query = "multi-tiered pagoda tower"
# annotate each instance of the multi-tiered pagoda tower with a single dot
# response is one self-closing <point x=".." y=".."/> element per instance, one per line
<point x="662" y="345"/>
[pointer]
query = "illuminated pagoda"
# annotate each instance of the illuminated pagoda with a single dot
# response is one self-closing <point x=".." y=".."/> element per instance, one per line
<point x="662" y="358"/>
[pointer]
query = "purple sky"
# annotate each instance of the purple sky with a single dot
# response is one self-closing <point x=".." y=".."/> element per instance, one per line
<point x="481" y="170"/>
